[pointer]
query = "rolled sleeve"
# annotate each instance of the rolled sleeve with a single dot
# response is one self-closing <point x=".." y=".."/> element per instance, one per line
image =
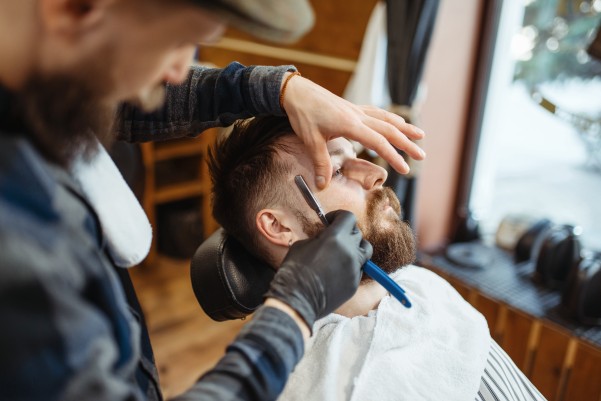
<point x="265" y="83"/>
<point x="209" y="98"/>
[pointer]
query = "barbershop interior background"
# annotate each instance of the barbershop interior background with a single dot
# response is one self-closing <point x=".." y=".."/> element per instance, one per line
<point x="506" y="205"/>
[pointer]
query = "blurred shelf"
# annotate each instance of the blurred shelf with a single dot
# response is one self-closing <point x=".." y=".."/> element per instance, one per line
<point x="178" y="148"/>
<point x="180" y="191"/>
<point x="178" y="188"/>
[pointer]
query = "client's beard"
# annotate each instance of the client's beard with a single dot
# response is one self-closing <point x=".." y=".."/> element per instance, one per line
<point x="65" y="117"/>
<point x="392" y="239"/>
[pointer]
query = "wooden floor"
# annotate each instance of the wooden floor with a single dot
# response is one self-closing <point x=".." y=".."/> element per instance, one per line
<point x="186" y="341"/>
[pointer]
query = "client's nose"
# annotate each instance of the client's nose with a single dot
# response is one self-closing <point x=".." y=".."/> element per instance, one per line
<point x="368" y="174"/>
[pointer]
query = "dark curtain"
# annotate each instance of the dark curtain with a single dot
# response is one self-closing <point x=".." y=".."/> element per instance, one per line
<point x="410" y="26"/>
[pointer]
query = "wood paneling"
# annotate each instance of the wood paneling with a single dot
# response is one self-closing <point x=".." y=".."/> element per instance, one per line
<point x="340" y="40"/>
<point x="516" y="335"/>
<point x="549" y="360"/>
<point x="490" y="309"/>
<point x="585" y="375"/>
<point x="338" y="30"/>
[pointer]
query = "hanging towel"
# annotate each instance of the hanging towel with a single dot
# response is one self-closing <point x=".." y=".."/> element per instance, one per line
<point x="436" y="350"/>
<point x="125" y="227"/>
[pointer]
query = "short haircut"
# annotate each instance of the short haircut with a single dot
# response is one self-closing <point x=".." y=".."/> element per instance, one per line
<point x="245" y="172"/>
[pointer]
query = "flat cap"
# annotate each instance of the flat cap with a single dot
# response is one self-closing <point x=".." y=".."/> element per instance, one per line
<point x="281" y="21"/>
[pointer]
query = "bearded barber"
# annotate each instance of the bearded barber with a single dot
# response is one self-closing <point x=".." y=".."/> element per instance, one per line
<point x="70" y="329"/>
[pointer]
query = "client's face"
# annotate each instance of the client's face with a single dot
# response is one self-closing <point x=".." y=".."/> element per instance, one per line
<point x="356" y="186"/>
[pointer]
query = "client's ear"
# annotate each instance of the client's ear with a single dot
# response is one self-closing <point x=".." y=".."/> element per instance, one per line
<point x="276" y="226"/>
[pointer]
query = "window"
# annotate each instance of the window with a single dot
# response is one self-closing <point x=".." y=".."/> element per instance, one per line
<point x="539" y="151"/>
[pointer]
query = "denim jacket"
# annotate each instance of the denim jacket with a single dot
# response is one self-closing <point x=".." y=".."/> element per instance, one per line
<point x="209" y="98"/>
<point x="71" y="325"/>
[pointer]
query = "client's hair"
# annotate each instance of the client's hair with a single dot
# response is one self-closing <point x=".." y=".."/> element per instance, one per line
<point x="245" y="170"/>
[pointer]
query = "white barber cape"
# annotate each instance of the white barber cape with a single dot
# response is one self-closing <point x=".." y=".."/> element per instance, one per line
<point x="436" y="350"/>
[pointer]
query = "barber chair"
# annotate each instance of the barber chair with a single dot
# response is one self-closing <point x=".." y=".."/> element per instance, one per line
<point x="229" y="283"/>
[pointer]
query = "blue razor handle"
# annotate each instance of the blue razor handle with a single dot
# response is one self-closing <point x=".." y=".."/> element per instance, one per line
<point x="374" y="271"/>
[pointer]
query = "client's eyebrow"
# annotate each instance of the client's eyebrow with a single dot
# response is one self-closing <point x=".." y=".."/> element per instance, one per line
<point x="342" y="152"/>
<point x="337" y="152"/>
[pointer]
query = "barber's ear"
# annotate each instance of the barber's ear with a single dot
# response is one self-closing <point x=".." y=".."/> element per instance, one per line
<point x="275" y="227"/>
<point x="69" y="17"/>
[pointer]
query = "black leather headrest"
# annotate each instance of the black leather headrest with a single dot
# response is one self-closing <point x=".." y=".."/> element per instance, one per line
<point x="228" y="281"/>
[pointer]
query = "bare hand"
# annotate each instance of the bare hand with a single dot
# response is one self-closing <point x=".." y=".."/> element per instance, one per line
<point x="317" y="116"/>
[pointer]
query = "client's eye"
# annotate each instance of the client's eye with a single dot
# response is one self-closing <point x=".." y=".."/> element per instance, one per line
<point x="337" y="173"/>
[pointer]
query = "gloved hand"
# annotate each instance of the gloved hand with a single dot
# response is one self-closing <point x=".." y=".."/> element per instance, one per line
<point x="320" y="274"/>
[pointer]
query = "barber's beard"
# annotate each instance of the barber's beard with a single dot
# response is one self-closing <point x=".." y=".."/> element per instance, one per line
<point x="66" y="114"/>
<point x="392" y="239"/>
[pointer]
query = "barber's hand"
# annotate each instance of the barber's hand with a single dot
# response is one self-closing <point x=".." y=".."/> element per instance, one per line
<point x="317" y="116"/>
<point x="320" y="274"/>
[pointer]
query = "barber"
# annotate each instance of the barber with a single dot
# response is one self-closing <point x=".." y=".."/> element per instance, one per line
<point x="70" y="326"/>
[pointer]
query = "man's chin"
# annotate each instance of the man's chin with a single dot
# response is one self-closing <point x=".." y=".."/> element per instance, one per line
<point x="393" y="250"/>
<point x="391" y="237"/>
<point x="391" y="215"/>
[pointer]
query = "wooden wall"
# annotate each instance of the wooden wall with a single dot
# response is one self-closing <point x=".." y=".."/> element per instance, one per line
<point x="327" y="55"/>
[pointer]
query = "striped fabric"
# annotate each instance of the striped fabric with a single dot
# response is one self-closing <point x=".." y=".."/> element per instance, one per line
<point x="503" y="381"/>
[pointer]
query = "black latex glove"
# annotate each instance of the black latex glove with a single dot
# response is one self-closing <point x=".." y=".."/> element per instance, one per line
<point x="320" y="274"/>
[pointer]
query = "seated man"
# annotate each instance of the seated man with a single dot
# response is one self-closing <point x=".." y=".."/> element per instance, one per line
<point x="371" y="348"/>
